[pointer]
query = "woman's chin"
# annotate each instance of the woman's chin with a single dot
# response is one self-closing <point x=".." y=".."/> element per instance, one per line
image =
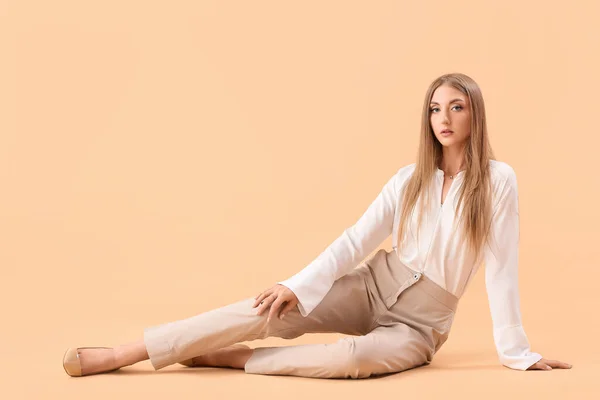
<point x="449" y="142"/>
<point x="446" y="141"/>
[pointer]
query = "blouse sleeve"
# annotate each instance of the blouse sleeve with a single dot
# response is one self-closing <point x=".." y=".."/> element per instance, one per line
<point x="312" y="283"/>
<point x="501" y="279"/>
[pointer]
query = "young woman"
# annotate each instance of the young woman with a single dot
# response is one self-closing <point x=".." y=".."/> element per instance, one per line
<point x="451" y="211"/>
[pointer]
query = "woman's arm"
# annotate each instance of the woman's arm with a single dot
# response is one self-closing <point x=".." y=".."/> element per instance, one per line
<point x="501" y="279"/>
<point x="313" y="282"/>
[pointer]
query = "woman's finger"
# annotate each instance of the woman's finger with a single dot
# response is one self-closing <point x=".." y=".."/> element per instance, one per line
<point x="261" y="297"/>
<point x="540" y="365"/>
<point x="543" y="365"/>
<point x="288" y="306"/>
<point x="261" y="305"/>
<point x="265" y="303"/>
<point x="558" y="364"/>
<point x="275" y="308"/>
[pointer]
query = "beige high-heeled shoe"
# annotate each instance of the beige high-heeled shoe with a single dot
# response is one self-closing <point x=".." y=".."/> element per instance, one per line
<point x="72" y="364"/>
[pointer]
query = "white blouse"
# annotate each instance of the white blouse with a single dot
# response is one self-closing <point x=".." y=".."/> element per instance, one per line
<point x="435" y="253"/>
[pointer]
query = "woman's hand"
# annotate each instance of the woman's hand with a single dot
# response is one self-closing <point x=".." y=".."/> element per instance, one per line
<point x="549" y="364"/>
<point x="274" y="298"/>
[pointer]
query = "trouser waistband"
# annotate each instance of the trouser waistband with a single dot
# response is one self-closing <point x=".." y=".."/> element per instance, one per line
<point x="425" y="283"/>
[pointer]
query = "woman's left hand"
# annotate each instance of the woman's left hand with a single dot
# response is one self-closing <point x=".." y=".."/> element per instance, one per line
<point x="546" y="364"/>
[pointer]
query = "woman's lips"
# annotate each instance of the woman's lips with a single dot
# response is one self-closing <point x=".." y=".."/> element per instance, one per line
<point x="446" y="133"/>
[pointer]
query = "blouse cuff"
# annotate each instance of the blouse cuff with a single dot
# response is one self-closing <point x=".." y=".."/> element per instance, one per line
<point x="513" y="348"/>
<point x="308" y="297"/>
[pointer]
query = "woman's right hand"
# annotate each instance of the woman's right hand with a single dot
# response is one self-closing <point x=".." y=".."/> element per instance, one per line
<point x="274" y="298"/>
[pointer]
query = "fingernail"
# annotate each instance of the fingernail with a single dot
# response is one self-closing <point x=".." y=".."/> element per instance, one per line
<point x="283" y="316"/>
<point x="548" y="367"/>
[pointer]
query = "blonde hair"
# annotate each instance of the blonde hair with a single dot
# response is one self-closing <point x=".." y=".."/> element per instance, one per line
<point x="475" y="195"/>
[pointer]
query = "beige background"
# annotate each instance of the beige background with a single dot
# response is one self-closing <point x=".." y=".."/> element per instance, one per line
<point x="160" y="159"/>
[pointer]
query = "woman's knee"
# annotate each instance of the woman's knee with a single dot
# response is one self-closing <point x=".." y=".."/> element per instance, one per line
<point x="351" y="360"/>
<point x="363" y="361"/>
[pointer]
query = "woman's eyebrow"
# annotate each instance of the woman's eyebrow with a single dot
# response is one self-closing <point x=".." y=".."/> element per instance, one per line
<point x="452" y="101"/>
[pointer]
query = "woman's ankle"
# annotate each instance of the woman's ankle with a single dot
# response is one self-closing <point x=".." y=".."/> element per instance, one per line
<point x="237" y="355"/>
<point x="131" y="353"/>
<point x="243" y="357"/>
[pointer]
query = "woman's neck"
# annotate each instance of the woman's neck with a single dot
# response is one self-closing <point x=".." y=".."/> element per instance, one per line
<point x="452" y="161"/>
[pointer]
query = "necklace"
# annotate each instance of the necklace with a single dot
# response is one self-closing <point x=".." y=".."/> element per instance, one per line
<point x="452" y="176"/>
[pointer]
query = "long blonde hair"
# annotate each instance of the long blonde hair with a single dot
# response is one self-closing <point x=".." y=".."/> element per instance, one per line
<point x="475" y="193"/>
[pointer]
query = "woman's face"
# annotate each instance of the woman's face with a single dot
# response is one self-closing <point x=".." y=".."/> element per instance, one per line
<point x="450" y="109"/>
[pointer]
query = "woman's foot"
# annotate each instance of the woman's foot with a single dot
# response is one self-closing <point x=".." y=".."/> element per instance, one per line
<point x="88" y="361"/>
<point x="94" y="360"/>
<point x="234" y="356"/>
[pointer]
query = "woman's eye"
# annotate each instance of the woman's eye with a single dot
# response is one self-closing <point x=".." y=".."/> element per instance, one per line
<point x="433" y="109"/>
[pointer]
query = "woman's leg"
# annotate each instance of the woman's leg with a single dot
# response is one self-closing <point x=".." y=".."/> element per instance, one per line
<point x="98" y="360"/>
<point x="234" y="356"/>
<point x="386" y="349"/>
<point x="349" y="307"/>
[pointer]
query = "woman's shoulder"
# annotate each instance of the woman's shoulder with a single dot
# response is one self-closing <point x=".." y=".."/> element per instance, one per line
<point x="501" y="168"/>
<point x="407" y="169"/>
<point x="401" y="176"/>
<point x="503" y="180"/>
<point x="502" y="173"/>
<point x="405" y="172"/>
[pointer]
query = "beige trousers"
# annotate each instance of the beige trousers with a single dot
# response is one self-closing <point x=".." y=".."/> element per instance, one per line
<point x="396" y="319"/>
